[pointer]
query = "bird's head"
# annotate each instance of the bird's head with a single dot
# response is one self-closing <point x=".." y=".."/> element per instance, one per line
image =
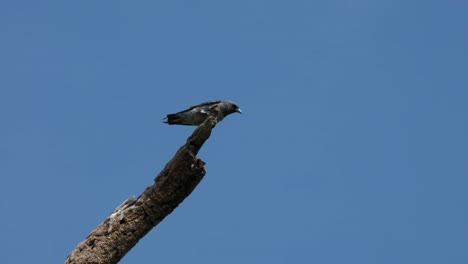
<point x="233" y="107"/>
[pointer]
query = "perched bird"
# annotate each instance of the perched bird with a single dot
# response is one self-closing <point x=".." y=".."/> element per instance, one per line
<point x="196" y="114"/>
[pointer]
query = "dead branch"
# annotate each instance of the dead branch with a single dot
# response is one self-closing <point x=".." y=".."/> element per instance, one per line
<point x="132" y="220"/>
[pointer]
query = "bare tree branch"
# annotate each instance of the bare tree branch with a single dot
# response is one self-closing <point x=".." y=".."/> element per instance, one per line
<point x="124" y="227"/>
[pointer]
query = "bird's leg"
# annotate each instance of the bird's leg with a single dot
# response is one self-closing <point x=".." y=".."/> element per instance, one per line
<point x="214" y="112"/>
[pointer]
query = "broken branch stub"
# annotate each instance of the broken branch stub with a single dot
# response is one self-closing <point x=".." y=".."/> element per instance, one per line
<point x="124" y="227"/>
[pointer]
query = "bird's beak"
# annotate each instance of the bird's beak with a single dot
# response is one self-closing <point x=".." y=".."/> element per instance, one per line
<point x="239" y="111"/>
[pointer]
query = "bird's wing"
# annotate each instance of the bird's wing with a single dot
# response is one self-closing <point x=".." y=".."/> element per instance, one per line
<point x="209" y="103"/>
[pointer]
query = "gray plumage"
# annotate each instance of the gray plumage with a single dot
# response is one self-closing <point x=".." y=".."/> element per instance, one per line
<point x="195" y="115"/>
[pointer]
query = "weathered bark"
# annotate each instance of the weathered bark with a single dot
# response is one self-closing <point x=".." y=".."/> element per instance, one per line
<point x="124" y="227"/>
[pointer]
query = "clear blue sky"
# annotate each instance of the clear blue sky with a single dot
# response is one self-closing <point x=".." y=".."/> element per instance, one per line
<point x="352" y="147"/>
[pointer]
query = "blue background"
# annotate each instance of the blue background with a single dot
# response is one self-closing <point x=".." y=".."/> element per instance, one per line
<point x="352" y="147"/>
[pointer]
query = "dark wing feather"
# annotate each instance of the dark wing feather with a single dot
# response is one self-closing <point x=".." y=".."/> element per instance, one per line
<point x="198" y="105"/>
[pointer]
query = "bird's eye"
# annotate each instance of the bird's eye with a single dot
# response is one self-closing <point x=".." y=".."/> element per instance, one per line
<point x="235" y="106"/>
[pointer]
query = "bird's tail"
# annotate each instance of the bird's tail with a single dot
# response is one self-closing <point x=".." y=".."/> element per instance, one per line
<point x="171" y="119"/>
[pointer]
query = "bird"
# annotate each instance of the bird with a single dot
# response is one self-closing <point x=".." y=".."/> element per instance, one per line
<point x="195" y="115"/>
